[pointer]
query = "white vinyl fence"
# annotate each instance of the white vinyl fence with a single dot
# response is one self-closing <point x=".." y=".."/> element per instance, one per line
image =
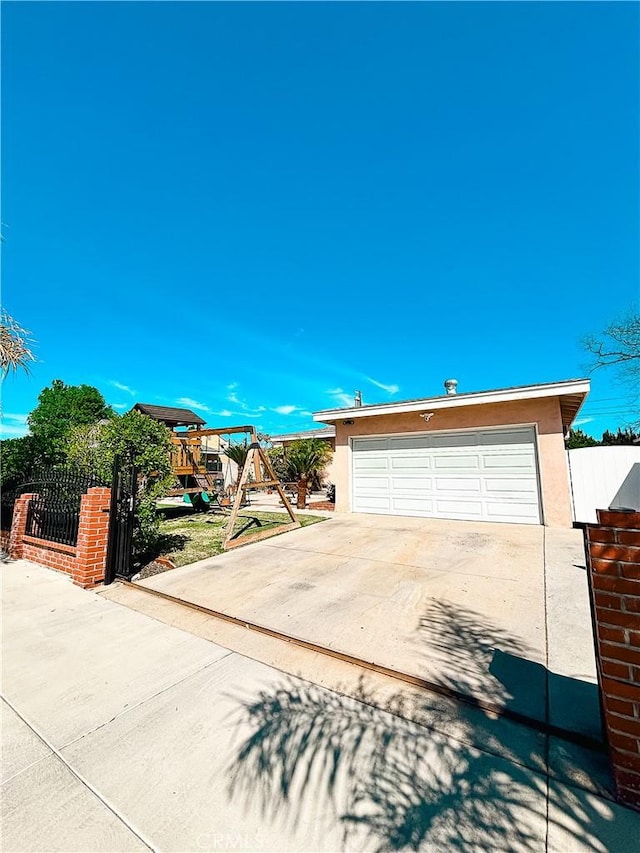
<point x="603" y="477"/>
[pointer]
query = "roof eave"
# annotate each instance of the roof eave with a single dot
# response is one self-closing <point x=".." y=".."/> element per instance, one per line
<point x="577" y="389"/>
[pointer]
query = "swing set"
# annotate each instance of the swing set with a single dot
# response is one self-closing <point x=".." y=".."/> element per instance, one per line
<point x="189" y="463"/>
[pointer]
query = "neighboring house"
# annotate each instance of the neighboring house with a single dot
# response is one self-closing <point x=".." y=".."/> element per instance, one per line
<point x="485" y="456"/>
<point x="327" y="434"/>
<point x="603" y="477"/>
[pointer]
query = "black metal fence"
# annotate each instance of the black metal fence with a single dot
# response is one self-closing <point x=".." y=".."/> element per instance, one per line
<point x="6" y="511"/>
<point x="54" y="520"/>
<point x="54" y="514"/>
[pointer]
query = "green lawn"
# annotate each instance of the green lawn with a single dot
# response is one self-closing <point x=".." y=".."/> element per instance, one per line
<point x="193" y="537"/>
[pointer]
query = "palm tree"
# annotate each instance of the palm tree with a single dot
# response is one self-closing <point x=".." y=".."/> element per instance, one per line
<point x="237" y="453"/>
<point x="14" y="346"/>
<point x="305" y="460"/>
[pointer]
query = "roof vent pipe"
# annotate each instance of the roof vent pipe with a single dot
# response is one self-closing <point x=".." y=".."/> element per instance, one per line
<point x="451" y="385"/>
<point x="358" y="399"/>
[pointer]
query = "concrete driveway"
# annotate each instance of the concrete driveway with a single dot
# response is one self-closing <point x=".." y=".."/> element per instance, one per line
<point x="122" y="733"/>
<point x="464" y="605"/>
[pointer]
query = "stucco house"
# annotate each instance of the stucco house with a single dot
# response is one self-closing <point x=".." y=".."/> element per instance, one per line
<point x="485" y="455"/>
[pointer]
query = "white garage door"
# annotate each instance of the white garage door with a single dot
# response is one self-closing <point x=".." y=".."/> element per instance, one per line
<point x="483" y="475"/>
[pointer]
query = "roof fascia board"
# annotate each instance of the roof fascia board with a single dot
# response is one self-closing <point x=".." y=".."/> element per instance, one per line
<point x="507" y="395"/>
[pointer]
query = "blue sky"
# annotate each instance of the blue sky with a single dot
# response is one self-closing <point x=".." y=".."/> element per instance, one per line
<point x="255" y="209"/>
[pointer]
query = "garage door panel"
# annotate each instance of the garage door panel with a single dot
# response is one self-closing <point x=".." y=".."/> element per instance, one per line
<point x="515" y="461"/>
<point x="369" y="484"/>
<point x="472" y="485"/>
<point x="511" y="510"/>
<point x="513" y="486"/>
<point x="458" y="508"/>
<point x="412" y="506"/>
<point x="506" y="437"/>
<point x="454" y="462"/>
<point x="486" y="475"/>
<point x="372" y="504"/>
<point x="370" y="445"/>
<point x="461" y="439"/>
<point x="417" y="462"/>
<point x="410" y="442"/>
<point x="371" y="463"/>
<point x="411" y="484"/>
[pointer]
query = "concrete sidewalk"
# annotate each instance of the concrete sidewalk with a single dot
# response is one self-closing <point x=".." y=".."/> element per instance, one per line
<point x="125" y="733"/>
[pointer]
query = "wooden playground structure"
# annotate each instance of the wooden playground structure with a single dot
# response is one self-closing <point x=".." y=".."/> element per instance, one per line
<point x="207" y="488"/>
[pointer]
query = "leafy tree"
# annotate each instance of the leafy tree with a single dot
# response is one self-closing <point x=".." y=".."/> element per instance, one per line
<point x="60" y="408"/>
<point x="623" y="436"/>
<point x="278" y="461"/>
<point x="19" y="455"/>
<point x="136" y="437"/>
<point x="15" y="351"/>
<point x="578" y="438"/>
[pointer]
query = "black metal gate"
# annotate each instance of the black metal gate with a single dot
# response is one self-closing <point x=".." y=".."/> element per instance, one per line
<point x="121" y="521"/>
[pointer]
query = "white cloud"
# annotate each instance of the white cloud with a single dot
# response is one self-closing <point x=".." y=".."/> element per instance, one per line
<point x="193" y="404"/>
<point x="232" y="397"/>
<point x="16" y="428"/>
<point x="225" y="413"/>
<point x="581" y="421"/>
<point x="122" y="387"/>
<point x="285" y="410"/>
<point x="120" y="405"/>
<point x="341" y="398"/>
<point x="391" y="389"/>
<point x="345" y="400"/>
<point x="304" y="412"/>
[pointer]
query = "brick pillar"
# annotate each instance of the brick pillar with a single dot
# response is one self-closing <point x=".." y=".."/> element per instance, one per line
<point x="93" y="533"/>
<point x="19" y="525"/>
<point x="613" y="555"/>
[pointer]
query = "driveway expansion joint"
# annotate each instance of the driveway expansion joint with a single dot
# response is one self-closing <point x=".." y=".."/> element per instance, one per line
<point x="146" y="699"/>
<point x="83" y="781"/>
<point x="542" y="726"/>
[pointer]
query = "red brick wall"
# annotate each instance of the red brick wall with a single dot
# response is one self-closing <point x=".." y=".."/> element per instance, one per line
<point x="613" y="548"/>
<point x="92" y="537"/>
<point x="5" y="536"/>
<point x="18" y="525"/>
<point x="86" y="561"/>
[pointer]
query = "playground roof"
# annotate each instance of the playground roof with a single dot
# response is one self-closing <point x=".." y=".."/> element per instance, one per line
<point x="169" y="415"/>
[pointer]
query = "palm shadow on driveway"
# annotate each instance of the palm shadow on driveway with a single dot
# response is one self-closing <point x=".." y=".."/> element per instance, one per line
<point x="393" y="780"/>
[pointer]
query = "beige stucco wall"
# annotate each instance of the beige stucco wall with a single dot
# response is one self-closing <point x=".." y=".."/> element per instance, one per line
<point x="544" y="413"/>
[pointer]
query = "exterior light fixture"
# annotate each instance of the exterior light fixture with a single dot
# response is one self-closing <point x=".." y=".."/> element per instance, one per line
<point x="347" y="423"/>
<point x="427" y="415"/>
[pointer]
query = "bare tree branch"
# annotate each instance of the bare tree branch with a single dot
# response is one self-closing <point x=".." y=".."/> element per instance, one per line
<point x="618" y="345"/>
